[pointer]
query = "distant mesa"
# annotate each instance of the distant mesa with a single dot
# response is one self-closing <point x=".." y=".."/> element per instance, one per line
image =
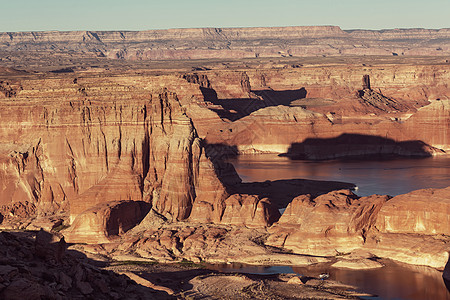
<point x="207" y="43"/>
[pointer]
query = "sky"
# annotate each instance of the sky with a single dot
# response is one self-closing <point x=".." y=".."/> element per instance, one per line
<point x="38" y="15"/>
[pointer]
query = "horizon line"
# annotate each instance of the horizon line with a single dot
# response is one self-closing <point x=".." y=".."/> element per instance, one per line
<point x="227" y="27"/>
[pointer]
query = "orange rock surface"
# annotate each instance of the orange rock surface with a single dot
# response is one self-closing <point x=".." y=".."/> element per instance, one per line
<point x="94" y="141"/>
<point x="411" y="228"/>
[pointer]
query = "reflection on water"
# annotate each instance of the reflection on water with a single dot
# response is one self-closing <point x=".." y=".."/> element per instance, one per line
<point x="394" y="281"/>
<point x="391" y="177"/>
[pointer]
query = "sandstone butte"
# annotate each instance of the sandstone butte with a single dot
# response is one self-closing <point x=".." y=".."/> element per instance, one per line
<point x="134" y="160"/>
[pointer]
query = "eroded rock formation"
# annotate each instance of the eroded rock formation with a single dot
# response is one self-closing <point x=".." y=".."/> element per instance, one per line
<point x="411" y="228"/>
<point x="92" y="155"/>
<point x="333" y="223"/>
<point x="98" y="148"/>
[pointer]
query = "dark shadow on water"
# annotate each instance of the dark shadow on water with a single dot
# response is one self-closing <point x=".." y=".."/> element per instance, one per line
<point x="280" y="192"/>
<point x="356" y="146"/>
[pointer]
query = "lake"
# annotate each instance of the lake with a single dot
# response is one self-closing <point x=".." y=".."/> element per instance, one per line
<point x="385" y="177"/>
<point x="394" y="281"/>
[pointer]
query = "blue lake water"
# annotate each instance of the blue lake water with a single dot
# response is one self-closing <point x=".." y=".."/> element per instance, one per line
<point x="386" y="177"/>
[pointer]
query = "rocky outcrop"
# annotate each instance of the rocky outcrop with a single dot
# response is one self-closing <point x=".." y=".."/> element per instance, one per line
<point x="25" y="275"/>
<point x="72" y="155"/>
<point x="431" y="124"/>
<point x="420" y="212"/>
<point x="379" y="101"/>
<point x="249" y="210"/>
<point x="394" y="108"/>
<point x="50" y="246"/>
<point x="105" y="221"/>
<point x="329" y="224"/>
<point x="91" y="156"/>
<point x="407" y="228"/>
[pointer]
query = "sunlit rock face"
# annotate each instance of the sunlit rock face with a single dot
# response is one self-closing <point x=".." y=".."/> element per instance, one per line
<point x="422" y="212"/>
<point x="68" y="145"/>
<point x="326" y="225"/>
<point x="107" y="220"/>
<point x="411" y="228"/>
<point x="404" y="112"/>
<point x="431" y="124"/>
<point x="97" y="147"/>
<point x="75" y="147"/>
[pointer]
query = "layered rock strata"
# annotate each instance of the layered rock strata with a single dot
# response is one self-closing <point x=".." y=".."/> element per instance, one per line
<point x="200" y="43"/>
<point x="319" y="104"/>
<point x="106" y="147"/>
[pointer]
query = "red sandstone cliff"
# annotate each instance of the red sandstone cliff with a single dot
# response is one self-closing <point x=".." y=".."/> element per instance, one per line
<point x="87" y="147"/>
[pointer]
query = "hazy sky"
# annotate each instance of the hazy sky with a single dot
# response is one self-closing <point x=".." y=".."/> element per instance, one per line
<point x="35" y="15"/>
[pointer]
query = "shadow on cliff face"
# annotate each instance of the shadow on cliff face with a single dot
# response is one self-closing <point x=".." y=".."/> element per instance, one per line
<point x="281" y="192"/>
<point x="219" y="154"/>
<point x="124" y="217"/>
<point x="284" y="97"/>
<point x="234" y="109"/>
<point x="209" y="94"/>
<point x="357" y="145"/>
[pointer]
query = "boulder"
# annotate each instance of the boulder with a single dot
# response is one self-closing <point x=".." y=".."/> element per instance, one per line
<point x="50" y="245"/>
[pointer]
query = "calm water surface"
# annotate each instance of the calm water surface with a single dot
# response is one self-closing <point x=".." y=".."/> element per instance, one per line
<point x="386" y="177"/>
<point x="391" y="177"/>
<point x="394" y="281"/>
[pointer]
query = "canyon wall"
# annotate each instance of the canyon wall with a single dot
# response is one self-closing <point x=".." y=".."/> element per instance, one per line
<point x="321" y="103"/>
<point x="85" y="147"/>
<point x="79" y="145"/>
<point x="69" y="144"/>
